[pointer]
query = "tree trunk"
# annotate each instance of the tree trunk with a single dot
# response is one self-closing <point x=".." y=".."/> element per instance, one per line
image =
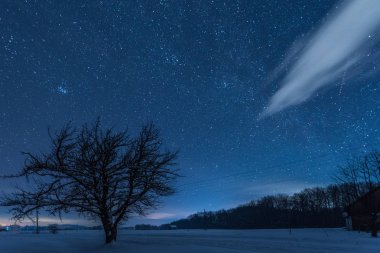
<point x="374" y="225"/>
<point x="110" y="231"/>
<point x="114" y="232"/>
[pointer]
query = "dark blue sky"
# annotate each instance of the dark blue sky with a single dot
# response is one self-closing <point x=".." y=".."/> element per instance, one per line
<point x="202" y="71"/>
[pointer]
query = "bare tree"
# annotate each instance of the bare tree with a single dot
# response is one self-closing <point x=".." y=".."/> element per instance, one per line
<point x="27" y="204"/>
<point x="103" y="175"/>
<point x="360" y="175"/>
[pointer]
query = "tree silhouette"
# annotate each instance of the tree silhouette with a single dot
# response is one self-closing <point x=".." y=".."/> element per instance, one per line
<point x="26" y="204"/>
<point x="101" y="174"/>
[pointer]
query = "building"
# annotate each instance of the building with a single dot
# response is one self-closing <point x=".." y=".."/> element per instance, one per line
<point x="364" y="213"/>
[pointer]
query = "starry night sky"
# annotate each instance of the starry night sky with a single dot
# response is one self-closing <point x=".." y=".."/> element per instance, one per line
<point x="201" y="71"/>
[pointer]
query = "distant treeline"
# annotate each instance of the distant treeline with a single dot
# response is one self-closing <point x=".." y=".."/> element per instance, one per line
<point x="47" y="227"/>
<point x="313" y="207"/>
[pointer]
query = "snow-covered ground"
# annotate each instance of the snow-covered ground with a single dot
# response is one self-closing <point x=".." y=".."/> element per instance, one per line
<point x="184" y="241"/>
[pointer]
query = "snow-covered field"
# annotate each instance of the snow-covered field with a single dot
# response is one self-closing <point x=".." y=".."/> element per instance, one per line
<point x="184" y="241"/>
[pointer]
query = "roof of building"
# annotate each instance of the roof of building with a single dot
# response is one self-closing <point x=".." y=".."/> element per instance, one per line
<point x="364" y="196"/>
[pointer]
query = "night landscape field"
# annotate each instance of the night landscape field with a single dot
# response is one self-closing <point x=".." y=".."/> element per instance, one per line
<point x="202" y="241"/>
<point x="189" y="126"/>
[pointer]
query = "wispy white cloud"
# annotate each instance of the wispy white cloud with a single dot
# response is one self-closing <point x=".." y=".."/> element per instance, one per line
<point x="337" y="46"/>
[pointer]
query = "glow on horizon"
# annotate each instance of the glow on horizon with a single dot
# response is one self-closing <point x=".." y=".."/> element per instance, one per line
<point x="46" y="221"/>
